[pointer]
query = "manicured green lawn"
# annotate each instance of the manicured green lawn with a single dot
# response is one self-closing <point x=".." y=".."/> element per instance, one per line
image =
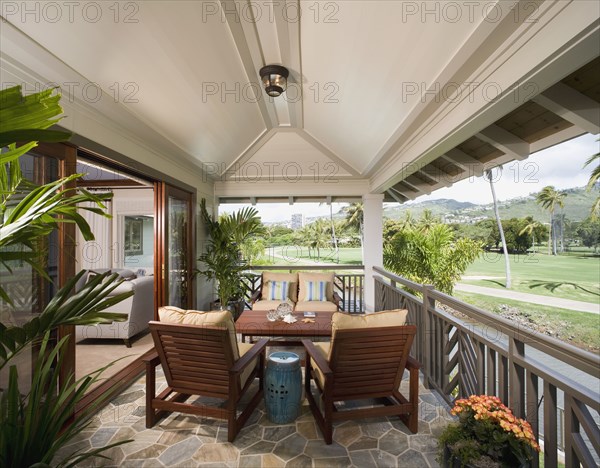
<point x="570" y="277"/>
<point x="579" y="328"/>
<point x="299" y="255"/>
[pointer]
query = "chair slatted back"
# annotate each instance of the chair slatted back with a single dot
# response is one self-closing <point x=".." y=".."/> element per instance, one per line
<point x="369" y="362"/>
<point x="195" y="359"/>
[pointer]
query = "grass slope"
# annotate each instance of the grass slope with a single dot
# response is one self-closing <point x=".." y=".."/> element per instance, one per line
<point x="569" y="277"/>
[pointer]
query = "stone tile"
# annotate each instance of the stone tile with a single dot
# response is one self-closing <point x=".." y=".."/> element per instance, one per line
<point x="275" y="434"/>
<point x="432" y="459"/>
<point x="272" y="461"/>
<point x="308" y="429"/>
<point x="250" y="461"/>
<point x="207" y="432"/>
<point x="210" y="453"/>
<point x="180" y="452"/>
<point x="412" y="459"/>
<point x="394" y="442"/>
<point x="128" y="397"/>
<point x="123" y="433"/>
<point x="152" y="451"/>
<point x="259" y="447"/>
<point x="318" y="449"/>
<point x="422" y="443"/>
<point x="374" y="427"/>
<point x="152" y="463"/>
<point x="384" y="459"/>
<point x="347" y="433"/>
<point x="248" y="436"/>
<point x="362" y="459"/>
<point x="174" y="437"/>
<point x="301" y="461"/>
<point x="290" y="447"/>
<point x="179" y="422"/>
<point x="364" y="443"/>
<point x="143" y="450"/>
<point x="337" y="462"/>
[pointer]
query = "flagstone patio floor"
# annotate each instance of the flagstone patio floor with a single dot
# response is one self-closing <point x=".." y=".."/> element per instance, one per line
<point x="188" y="441"/>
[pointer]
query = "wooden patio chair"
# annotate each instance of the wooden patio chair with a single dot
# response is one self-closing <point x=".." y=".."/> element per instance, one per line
<point x="363" y="364"/>
<point x="200" y="360"/>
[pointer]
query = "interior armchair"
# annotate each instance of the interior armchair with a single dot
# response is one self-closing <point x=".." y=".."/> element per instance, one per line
<point x="304" y="291"/>
<point x="366" y="359"/>
<point x="200" y="356"/>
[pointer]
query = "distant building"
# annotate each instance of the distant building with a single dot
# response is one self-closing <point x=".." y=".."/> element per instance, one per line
<point x="297" y="221"/>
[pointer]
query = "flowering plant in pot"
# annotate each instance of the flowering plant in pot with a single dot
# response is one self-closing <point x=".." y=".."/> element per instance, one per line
<point x="487" y="434"/>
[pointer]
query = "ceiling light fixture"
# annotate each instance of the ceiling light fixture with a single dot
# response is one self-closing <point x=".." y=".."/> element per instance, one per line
<point x="274" y="78"/>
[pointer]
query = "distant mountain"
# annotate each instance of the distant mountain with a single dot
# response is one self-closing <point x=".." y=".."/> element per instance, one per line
<point x="577" y="207"/>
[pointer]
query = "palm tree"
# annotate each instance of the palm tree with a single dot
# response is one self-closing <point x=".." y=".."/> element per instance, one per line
<point x="594" y="177"/>
<point x="488" y="174"/>
<point x="549" y="198"/>
<point x="530" y="228"/>
<point x="427" y="220"/>
<point x="355" y="217"/>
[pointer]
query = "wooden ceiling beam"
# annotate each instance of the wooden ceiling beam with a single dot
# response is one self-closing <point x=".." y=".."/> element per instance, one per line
<point x="464" y="161"/>
<point x="505" y="141"/>
<point x="572" y="106"/>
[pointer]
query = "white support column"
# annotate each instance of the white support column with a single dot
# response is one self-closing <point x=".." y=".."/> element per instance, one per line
<point x="372" y="243"/>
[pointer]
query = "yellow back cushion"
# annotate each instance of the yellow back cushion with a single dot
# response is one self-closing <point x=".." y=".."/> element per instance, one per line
<point x="303" y="277"/>
<point x="218" y="318"/>
<point x="386" y="318"/>
<point x="292" y="278"/>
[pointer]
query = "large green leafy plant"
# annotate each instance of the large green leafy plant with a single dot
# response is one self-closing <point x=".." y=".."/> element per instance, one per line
<point x="222" y="258"/>
<point x="34" y="423"/>
<point x="429" y="254"/>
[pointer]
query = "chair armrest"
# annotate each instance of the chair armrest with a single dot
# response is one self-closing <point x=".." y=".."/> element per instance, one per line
<point x="336" y="298"/>
<point x="151" y="359"/>
<point x="255" y="297"/>
<point x="247" y="358"/>
<point x="316" y="356"/>
<point x="412" y="363"/>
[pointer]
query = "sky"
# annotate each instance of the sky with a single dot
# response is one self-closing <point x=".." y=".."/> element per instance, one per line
<point x="560" y="166"/>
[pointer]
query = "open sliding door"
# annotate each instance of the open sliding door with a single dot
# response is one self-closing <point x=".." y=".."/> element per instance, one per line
<point x="175" y="247"/>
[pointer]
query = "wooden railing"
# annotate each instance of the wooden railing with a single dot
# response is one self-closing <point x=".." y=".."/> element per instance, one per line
<point x="349" y="286"/>
<point x="476" y="352"/>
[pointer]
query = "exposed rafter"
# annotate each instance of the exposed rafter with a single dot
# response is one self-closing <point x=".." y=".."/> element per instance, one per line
<point x="463" y="161"/>
<point x="505" y="141"/>
<point x="572" y="106"/>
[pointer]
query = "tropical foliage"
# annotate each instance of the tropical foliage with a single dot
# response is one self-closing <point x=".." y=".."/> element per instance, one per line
<point x="594" y="177"/>
<point x="222" y="258"/>
<point x="430" y="254"/>
<point x="33" y="423"/>
<point x="550" y="198"/>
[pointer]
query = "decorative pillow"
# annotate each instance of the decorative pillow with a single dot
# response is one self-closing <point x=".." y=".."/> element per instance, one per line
<point x="221" y="318"/>
<point x="277" y="290"/>
<point x="91" y="274"/>
<point x="303" y="277"/>
<point x="316" y="290"/>
<point x="291" y="278"/>
<point x="127" y="274"/>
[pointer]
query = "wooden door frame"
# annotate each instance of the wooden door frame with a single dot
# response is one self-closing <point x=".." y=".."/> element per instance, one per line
<point x="162" y="191"/>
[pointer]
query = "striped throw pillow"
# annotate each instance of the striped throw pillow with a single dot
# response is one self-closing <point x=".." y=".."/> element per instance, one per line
<point x="316" y="290"/>
<point x="278" y="290"/>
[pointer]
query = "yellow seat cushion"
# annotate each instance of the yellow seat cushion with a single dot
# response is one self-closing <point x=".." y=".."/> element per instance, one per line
<point x="244" y="348"/>
<point x="268" y="305"/>
<point x="316" y="306"/>
<point x="218" y="318"/>
<point x="292" y="278"/>
<point x="303" y="277"/>
<point x="324" y="347"/>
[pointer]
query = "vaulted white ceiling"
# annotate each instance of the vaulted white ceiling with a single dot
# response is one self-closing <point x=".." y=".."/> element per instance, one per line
<point x="367" y="78"/>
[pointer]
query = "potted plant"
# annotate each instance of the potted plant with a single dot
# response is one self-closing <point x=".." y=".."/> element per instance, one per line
<point x="35" y="424"/>
<point x="222" y="258"/>
<point x="487" y="434"/>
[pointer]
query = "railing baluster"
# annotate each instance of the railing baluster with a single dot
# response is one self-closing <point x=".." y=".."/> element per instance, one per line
<point x="480" y="349"/>
<point x="532" y="409"/>
<point x="503" y="379"/>
<point x="516" y="348"/>
<point x="550" y="448"/>
<point x="491" y="371"/>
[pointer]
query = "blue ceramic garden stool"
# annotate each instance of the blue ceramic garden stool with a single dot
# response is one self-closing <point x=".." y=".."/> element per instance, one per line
<point x="283" y="387"/>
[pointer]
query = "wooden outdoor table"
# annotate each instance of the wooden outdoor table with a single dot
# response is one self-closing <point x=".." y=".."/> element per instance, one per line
<point x="254" y="323"/>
